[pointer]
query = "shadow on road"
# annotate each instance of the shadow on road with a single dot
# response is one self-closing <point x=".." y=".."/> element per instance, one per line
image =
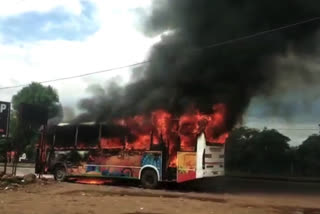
<point x="221" y="185"/>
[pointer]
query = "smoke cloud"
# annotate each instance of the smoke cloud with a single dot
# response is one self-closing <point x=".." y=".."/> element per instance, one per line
<point x="181" y="75"/>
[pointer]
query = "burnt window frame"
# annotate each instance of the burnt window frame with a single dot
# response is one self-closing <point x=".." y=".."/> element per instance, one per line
<point x="56" y="139"/>
<point x="104" y="134"/>
<point x="95" y="145"/>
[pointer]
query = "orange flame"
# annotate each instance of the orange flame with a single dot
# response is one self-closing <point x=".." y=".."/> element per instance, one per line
<point x="93" y="181"/>
<point x="111" y="143"/>
<point x="141" y="143"/>
<point x="182" y="132"/>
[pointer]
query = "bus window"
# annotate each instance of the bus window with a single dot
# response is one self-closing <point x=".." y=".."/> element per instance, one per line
<point x="111" y="143"/>
<point x="157" y="143"/>
<point x="65" y="137"/>
<point x="139" y="142"/>
<point x="88" y="136"/>
<point x="112" y="137"/>
<point x="49" y="138"/>
<point x="187" y="143"/>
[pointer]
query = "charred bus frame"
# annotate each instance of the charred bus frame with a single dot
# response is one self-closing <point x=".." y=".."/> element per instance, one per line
<point x="99" y="150"/>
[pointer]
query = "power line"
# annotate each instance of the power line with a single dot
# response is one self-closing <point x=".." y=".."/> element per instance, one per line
<point x="81" y="75"/>
<point x="290" y="129"/>
<point x="293" y="129"/>
<point x="202" y="48"/>
<point x="261" y="33"/>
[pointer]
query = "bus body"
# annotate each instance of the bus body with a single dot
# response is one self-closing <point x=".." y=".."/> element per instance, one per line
<point x="85" y="151"/>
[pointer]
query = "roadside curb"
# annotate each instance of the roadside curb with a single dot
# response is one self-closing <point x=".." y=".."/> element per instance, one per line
<point x="20" y="165"/>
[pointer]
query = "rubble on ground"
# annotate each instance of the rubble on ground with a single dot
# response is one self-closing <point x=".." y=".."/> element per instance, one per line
<point x="29" y="178"/>
<point x="11" y="182"/>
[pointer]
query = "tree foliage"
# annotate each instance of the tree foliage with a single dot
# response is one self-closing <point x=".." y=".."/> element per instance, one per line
<point x="308" y="156"/>
<point x="254" y="151"/>
<point x="25" y="135"/>
<point x="37" y="94"/>
<point x="238" y="150"/>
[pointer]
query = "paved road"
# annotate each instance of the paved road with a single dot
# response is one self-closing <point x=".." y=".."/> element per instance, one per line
<point x="23" y="171"/>
<point x="20" y="170"/>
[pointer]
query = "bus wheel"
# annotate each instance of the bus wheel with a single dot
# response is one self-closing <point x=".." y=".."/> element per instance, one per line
<point x="149" y="179"/>
<point x="60" y="173"/>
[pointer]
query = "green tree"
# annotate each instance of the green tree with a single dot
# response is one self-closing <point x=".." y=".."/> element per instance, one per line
<point x="253" y="151"/>
<point x="238" y="149"/>
<point x="308" y="156"/>
<point x="24" y="135"/>
<point x="40" y="95"/>
<point x="272" y="152"/>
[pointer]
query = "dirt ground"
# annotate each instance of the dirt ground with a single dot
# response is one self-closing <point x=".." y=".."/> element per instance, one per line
<point x="70" y="198"/>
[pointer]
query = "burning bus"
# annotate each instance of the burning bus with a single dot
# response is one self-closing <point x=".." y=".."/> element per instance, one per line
<point x="151" y="149"/>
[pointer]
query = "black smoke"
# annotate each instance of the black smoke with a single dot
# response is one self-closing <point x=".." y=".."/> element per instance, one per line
<point x="182" y="74"/>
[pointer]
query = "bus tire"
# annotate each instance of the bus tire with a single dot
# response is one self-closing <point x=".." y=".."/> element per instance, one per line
<point x="149" y="179"/>
<point x="60" y="173"/>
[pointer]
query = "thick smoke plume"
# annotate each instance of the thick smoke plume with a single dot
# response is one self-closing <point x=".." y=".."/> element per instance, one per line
<point x="182" y="75"/>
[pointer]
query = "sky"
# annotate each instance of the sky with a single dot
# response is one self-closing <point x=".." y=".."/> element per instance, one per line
<point x="48" y="39"/>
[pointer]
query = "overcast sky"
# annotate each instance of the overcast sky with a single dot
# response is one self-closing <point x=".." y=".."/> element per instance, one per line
<point x="48" y="39"/>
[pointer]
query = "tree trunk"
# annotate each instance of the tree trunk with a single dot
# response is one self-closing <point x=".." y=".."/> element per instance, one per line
<point x="5" y="163"/>
<point x="15" y="163"/>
